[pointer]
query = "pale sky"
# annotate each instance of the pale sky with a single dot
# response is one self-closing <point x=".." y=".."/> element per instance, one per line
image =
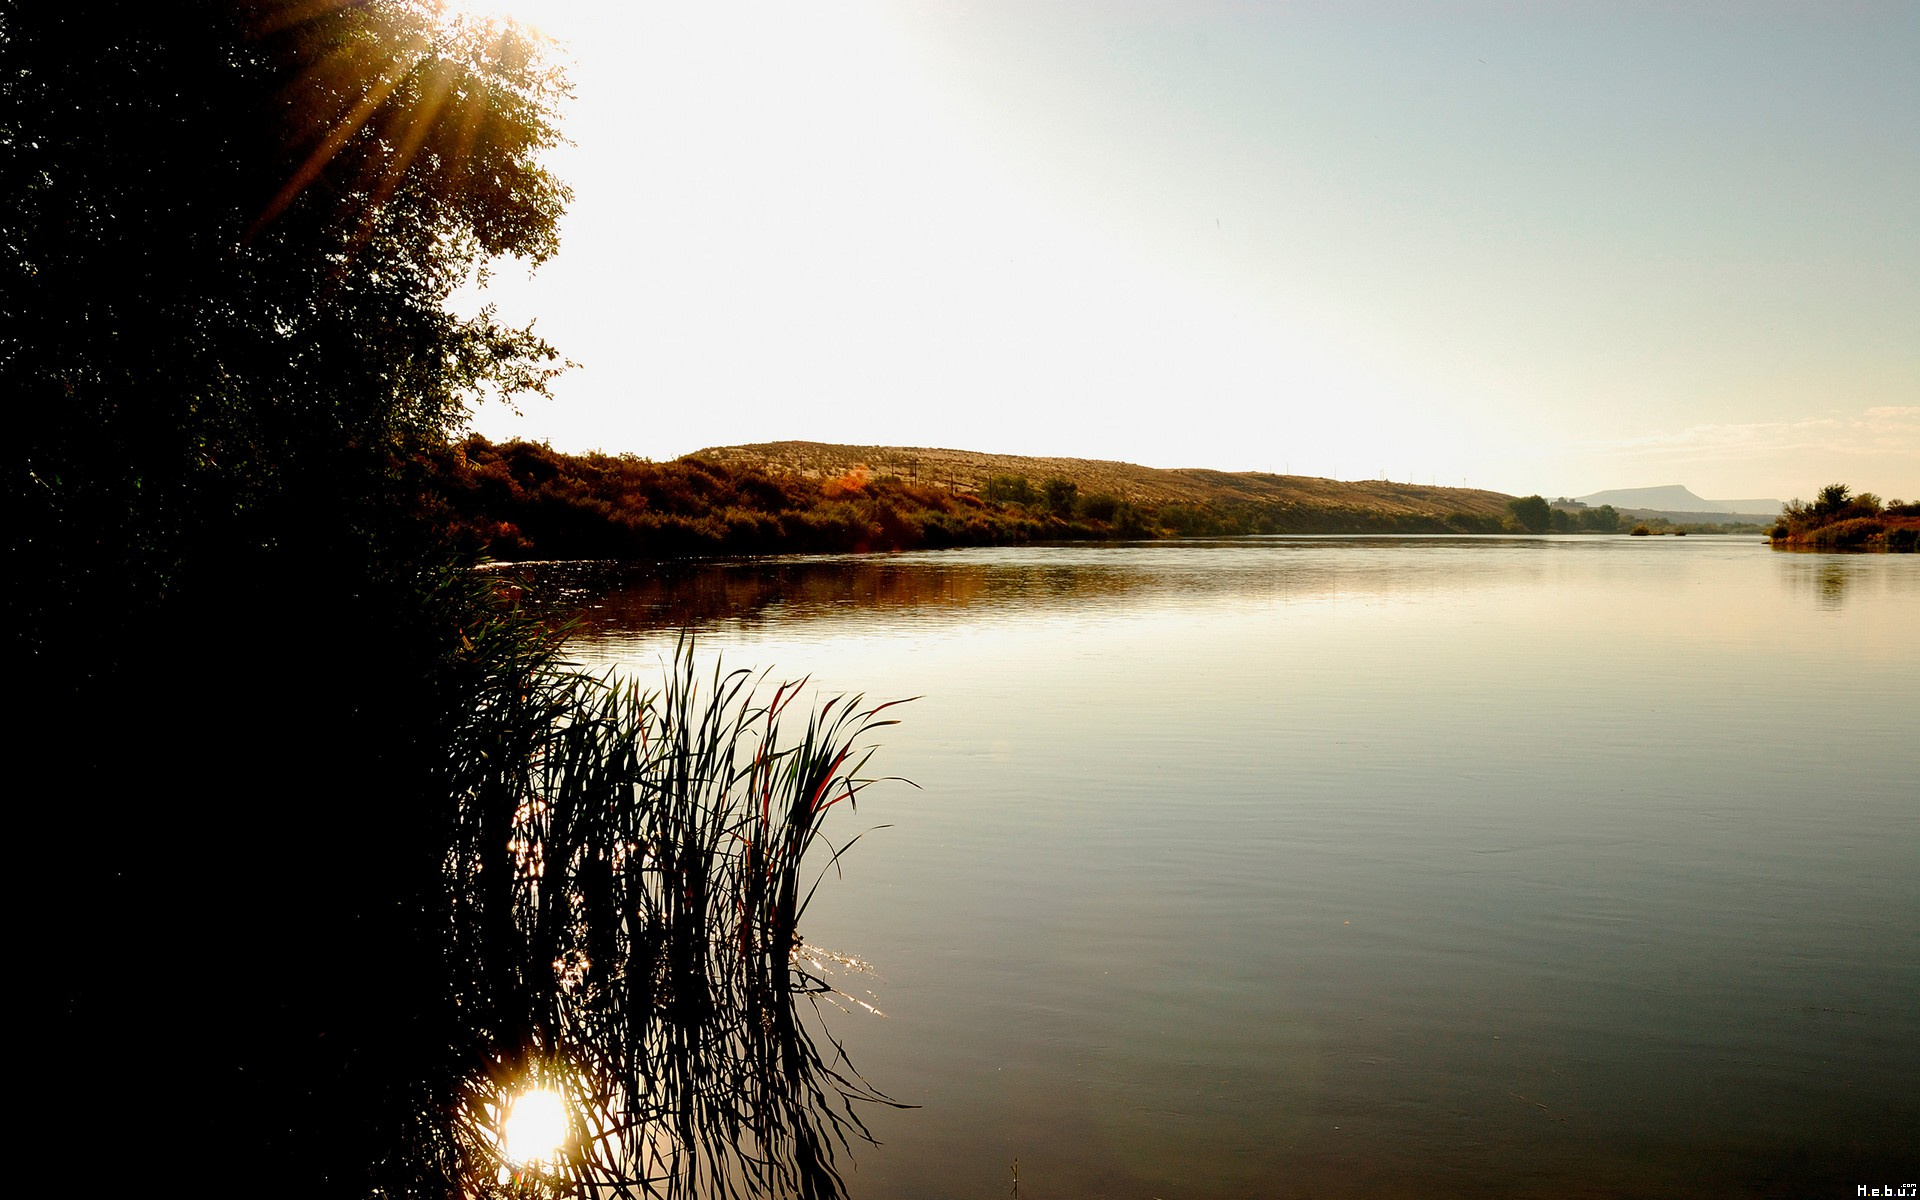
<point x="1529" y="246"/>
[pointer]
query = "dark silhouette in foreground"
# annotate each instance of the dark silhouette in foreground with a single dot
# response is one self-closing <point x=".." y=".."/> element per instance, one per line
<point x="321" y="851"/>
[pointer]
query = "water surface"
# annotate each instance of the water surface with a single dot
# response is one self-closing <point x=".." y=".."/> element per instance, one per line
<point x="1362" y="866"/>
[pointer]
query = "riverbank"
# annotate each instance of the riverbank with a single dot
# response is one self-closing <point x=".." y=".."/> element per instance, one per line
<point x="1899" y="535"/>
<point x="1840" y="520"/>
<point x="520" y="500"/>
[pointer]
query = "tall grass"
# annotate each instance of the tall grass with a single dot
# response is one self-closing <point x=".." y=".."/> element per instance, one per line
<point x="621" y="898"/>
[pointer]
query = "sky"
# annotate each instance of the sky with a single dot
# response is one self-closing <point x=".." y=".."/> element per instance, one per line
<point x="1528" y="246"/>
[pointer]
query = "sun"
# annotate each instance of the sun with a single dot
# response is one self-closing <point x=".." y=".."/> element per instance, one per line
<point x="535" y="1129"/>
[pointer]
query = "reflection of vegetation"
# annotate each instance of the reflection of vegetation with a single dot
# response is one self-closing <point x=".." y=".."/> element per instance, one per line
<point x="1839" y="520"/>
<point x="618" y="602"/>
<point x="633" y="599"/>
<point x="698" y="595"/>
<point x="1832" y="585"/>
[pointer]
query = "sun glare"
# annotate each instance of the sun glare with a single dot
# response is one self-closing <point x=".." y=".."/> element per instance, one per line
<point x="551" y="17"/>
<point x="535" y="1128"/>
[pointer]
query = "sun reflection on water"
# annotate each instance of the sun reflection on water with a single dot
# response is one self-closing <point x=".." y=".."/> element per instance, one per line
<point x="535" y="1128"/>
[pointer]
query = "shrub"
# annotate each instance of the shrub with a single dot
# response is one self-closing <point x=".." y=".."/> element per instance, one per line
<point x="1605" y="519"/>
<point x="1008" y="489"/>
<point x="1130" y="522"/>
<point x="1531" y="513"/>
<point x="1059" y="495"/>
<point x="1846" y="535"/>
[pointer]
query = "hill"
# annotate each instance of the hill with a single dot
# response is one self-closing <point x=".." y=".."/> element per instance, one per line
<point x="1312" y="501"/>
<point x="518" y="500"/>
<point x="1674" y="499"/>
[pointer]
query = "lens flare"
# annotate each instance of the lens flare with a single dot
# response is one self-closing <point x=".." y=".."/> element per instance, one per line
<point x="535" y="1128"/>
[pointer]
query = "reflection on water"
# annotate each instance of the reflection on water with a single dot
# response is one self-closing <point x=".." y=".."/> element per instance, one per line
<point x="1495" y="867"/>
<point x="1827" y="581"/>
<point x="930" y="587"/>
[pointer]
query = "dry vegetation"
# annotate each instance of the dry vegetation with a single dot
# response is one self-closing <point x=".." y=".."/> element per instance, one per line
<point x="521" y="500"/>
<point x="1839" y="520"/>
<point x="969" y="471"/>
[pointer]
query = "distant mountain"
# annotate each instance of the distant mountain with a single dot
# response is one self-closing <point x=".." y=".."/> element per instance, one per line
<point x="1674" y="498"/>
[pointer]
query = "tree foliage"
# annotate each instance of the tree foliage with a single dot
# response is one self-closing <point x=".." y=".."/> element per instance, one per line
<point x="1605" y="519"/>
<point x="1060" y="496"/>
<point x="1009" y="489"/>
<point x="1531" y="513"/>
<point x="231" y="232"/>
<point x="1837" y="519"/>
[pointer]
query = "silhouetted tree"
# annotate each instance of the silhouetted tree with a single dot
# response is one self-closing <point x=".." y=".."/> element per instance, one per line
<point x="228" y="235"/>
<point x="231" y="230"/>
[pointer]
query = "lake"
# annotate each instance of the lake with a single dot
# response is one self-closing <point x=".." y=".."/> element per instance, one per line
<point x="1359" y="866"/>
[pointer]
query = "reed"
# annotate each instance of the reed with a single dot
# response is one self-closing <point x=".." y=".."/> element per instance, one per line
<point x="621" y="896"/>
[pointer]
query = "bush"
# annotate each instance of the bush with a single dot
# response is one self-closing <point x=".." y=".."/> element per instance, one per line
<point x="1840" y="520"/>
<point x="1130" y="522"/>
<point x="1008" y="489"/>
<point x="1846" y="535"/>
<point x="1531" y="513"/>
<point x="1059" y="495"/>
<point x="1605" y="519"/>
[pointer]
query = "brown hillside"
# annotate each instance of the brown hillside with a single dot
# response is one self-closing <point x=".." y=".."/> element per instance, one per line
<point x="967" y="470"/>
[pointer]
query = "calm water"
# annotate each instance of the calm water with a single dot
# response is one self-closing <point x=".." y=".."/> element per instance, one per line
<point x="1341" y="867"/>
